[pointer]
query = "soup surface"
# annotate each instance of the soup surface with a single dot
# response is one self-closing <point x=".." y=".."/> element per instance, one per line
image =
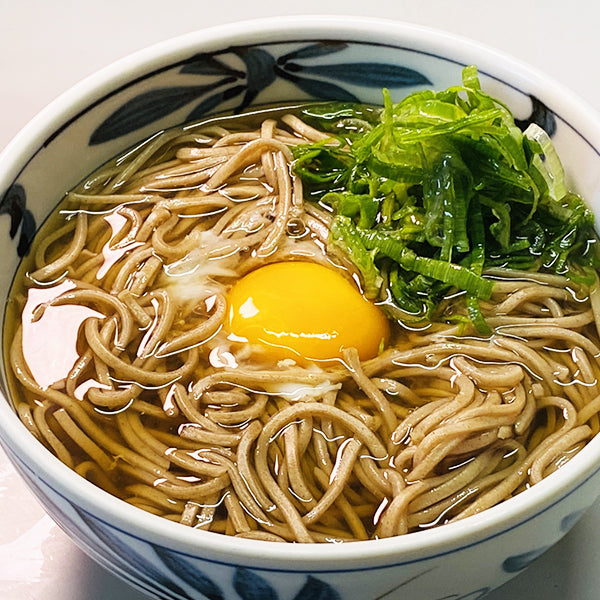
<point x="282" y="326"/>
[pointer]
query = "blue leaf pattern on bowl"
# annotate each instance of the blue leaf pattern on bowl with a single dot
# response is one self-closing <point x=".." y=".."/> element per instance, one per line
<point x="323" y="90"/>
<point x="315" y="589"/>
<point x="251" y="586"/>
<point x="316" y="50"/>
<point x="212" y="102"/>
<point x="139" y="567"/>
<point x="516" y="563"/>
<point x="149" y="107"/>
<point x="14" y="204"/>
<point x="190" y="574"/>
<point x="368" y="74"/>
<point x="262" y="68"/>
<point x="540" y="115"/>
<point x="567" y="522"/>
<point x="209" y="64"/>
<point x="260" y="72"/>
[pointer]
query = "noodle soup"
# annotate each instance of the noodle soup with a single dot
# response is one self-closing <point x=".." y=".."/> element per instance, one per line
<point x="185" y="335"/>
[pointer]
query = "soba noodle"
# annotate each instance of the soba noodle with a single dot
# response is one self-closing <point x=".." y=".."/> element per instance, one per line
<point x="162" y="409"/>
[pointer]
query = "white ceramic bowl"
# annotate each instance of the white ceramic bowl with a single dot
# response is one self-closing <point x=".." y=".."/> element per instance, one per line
<point x="242" y="65"/>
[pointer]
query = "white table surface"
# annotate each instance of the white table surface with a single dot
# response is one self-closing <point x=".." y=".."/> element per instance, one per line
<point x="47" y="46"/>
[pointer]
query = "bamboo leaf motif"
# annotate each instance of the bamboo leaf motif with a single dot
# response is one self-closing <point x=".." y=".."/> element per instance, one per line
<point x="148" y="107"/>
<point x="190" y="574"/>
<point x="251" y="586"/>
<point x="208" y="64"/>
<point x="315" y="589"/>
<point x="138" y="568"/>
<point x="368" y="74"/>
<point x="316" y="50"/>
<point x="540" y="115"/>
<point x="14" y="204"/>
<point x="262" y="69"/>
<point x="320" y="89"/>
<point x="516" y="563"/>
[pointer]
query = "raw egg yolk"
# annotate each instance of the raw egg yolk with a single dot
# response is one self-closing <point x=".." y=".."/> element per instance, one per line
<point x="304" y="311"/>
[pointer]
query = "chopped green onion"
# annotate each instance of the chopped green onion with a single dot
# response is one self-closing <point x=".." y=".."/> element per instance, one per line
<point x="429" y="192"/>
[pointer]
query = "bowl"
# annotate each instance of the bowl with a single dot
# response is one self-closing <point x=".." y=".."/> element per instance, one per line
<point x="235" y="67"/>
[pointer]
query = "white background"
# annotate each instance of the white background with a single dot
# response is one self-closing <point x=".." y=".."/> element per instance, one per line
<point x="47" y="46"/>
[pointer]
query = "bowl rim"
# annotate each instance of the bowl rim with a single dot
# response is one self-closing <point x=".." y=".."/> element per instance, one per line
<point x="381" y="553"/>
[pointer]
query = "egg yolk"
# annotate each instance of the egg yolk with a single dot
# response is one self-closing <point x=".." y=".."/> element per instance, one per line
<point x="306" y="311"/>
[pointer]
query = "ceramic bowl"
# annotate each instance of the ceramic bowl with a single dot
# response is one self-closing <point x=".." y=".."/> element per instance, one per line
<point x="232" y="68"/>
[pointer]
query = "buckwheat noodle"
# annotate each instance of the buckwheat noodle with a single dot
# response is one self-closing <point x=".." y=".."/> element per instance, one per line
<point x="163" y="411"/>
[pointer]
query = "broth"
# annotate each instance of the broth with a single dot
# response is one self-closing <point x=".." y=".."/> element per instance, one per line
<point x="126" y="363"/>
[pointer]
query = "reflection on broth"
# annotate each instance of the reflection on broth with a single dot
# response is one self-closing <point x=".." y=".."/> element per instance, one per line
<point x="50" y="333"/>
<point x="127" y="365"/>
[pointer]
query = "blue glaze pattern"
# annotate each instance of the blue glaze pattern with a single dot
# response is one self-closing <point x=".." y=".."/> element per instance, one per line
<point x="189" y="574"/>
<point x="569" y="521"/>
<point x="251" y="586"/>
<point x="262" y="68"/>
<point x="540" y="115"/>
<point x="174" y="568"/>
<point x="514" y="564"/>
<point x="14" y="204"/>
